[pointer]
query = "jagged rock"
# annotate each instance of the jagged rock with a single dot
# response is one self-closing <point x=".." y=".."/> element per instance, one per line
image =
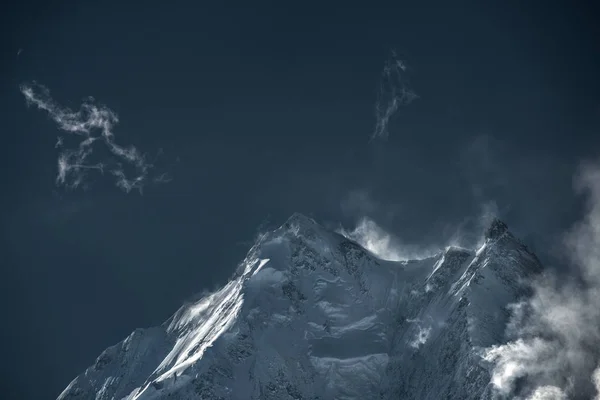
<point x="496" y="229"/>
<point x="312" y="315"/>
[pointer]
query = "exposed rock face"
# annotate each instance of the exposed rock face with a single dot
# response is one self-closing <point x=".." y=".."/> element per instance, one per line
<point x="496" y="229"/>
<point x="312" y="315"/>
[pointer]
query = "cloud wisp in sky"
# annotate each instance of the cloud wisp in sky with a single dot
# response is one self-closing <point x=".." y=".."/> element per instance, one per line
<point x="92" y="127"/>
<point x="394" y="91"/>
<point x="555" y="353"/>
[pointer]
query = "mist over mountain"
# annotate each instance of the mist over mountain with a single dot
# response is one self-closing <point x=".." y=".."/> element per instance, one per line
<point x="311" y="314"/>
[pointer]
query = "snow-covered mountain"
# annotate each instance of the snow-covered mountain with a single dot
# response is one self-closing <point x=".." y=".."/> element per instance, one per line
<point x="310" y="314"/>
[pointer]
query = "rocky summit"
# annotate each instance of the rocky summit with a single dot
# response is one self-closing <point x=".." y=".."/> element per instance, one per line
<point x="310" y="314"/>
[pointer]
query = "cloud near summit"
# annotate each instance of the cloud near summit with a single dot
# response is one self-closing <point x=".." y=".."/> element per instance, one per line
<point x="555" y="351"/>
<point x="384" y="245"/>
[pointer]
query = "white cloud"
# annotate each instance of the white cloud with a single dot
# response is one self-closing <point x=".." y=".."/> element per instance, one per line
<point x="385" y="246"/>
<point x="92" y="125"/>
<point x="596" y="381"/>
<point x="548" y="393"/>
<point x="421" y="337"/>
<point x="556" y="352"/>
<point x="394" y="91"/>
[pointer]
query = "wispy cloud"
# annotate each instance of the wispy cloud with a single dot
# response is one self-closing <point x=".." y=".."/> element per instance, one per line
<point x="92" y="126"/>
<point x="394" y="91"/>
<point x="384" y="245"/>
<point x="555" y="353"/>
<point x="360" y="202"/>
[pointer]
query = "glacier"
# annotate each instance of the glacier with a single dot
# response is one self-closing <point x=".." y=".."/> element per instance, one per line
<point x="310" y="314"/>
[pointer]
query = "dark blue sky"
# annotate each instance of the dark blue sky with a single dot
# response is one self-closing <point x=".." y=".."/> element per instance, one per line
<point x="263" y="110"/>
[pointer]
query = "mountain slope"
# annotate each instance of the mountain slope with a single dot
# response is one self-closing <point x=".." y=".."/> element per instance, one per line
<point x="310" y="314"/>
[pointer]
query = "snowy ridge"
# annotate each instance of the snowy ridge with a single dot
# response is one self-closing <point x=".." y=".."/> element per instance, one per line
<point x="312" y="315"/>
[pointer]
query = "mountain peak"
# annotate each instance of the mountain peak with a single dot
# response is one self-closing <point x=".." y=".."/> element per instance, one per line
<point x="300" y="219"/>
<point x="311" y="315"/>
<point x="301" y="223"/>
<point x="496" y="229"/>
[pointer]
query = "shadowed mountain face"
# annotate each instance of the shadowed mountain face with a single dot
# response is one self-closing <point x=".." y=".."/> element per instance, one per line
<point x="310" y="314"/>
